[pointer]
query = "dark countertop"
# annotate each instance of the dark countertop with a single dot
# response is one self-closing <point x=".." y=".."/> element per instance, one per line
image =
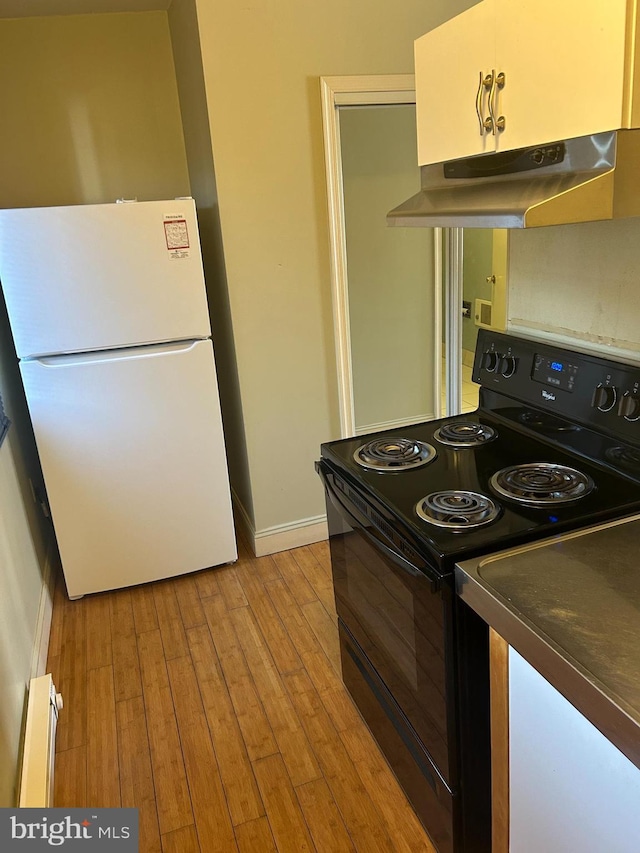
<point x="571" y="607"/>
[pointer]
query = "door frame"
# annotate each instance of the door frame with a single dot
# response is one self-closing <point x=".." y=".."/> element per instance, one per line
<point x="363" y="90"/>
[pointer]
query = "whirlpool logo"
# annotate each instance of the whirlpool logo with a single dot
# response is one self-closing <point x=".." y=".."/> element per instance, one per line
<point x="548" y="395"/>
<point x="72" y="829"/>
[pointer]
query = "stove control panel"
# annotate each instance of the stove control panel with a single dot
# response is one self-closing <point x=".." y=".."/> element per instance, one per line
<point x="582" y="387"/>
<point x="555" y="370"/>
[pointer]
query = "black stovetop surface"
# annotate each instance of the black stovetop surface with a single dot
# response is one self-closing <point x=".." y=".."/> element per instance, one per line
<point x="524" y="436"/>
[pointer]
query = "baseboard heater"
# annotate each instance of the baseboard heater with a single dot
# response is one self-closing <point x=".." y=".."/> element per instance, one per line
<point x="38" y="755"/>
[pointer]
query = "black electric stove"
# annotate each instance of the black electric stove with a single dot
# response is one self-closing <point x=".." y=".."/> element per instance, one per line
<point x="553" y="446"/>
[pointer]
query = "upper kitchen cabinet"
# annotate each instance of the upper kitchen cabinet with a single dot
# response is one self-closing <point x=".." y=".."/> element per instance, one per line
<point x="451" y="96"/>
<point x="512" y="73"/>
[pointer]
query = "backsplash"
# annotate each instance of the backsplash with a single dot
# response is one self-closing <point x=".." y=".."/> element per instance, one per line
<point x="578" y="284"/>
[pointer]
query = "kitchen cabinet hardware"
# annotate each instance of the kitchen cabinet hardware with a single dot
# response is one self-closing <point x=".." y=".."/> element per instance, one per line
<point x="479" y="104"/>
<point x="497" y="82"/>
<point x="485" y="83"/>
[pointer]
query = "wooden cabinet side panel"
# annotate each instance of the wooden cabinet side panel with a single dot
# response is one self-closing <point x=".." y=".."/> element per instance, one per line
<point x="499" y="681"/>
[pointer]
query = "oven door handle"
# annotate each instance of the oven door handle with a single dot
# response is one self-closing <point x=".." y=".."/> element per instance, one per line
<point x="360" y="522"/>
<point x="399" y="559"/>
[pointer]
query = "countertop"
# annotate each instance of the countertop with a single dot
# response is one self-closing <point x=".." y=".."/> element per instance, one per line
<point x="570" y="605"/>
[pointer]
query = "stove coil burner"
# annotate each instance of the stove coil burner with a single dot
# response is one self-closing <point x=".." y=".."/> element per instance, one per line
<point x="464" y="434"/>
<point x="541" y="484"/>
<point x="624" y="457"/>
<point x="394" y="454"/>
<point x="545" y="422"/>
<point x="457" y="510"/>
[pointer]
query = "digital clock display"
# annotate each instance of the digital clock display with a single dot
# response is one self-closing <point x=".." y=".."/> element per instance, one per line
<point x="550" y="370"/>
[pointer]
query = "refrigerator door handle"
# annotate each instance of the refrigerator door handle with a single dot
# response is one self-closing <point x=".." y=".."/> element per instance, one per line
<point x="69" y="359"/>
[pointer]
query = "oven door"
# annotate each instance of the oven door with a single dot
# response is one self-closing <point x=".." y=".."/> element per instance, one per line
<point x="399" y="613"/>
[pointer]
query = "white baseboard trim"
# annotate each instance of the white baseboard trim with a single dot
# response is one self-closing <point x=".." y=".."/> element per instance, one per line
<point x="281" y="537"/>
<point x="400" y="422"/>
<point x="43" y="622"/>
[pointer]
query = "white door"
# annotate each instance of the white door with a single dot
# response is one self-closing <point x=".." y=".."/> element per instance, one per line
<point x="449" y="63"/>
<point x="133" y="457"/>
<point x="92" y="277"/>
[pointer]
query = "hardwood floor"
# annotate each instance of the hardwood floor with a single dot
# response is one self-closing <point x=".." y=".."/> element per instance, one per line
<point x="213" y="703"/>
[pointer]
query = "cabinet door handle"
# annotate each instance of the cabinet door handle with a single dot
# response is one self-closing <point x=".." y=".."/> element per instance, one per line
<point x="485" y="81"/>
<point x="497" y="82"/>
<point x="479" y="104"/>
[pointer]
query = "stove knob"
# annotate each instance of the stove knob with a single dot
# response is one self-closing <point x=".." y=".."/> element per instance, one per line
<point x="508" y="364"/>
<point x="490" y="360"/>
<point x="629" y="408"/>
<point x="604" y="397"/>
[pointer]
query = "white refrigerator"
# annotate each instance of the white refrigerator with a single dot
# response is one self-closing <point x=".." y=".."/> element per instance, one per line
<point x="109" y="316"/>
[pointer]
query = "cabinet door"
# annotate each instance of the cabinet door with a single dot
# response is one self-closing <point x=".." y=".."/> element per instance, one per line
<point x="570" y="788"/>
<point x="449" y="61"/>
<point x="564" y="65"/>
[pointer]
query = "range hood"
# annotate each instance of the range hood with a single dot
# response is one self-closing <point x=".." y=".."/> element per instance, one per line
<point x="580" y="180"/>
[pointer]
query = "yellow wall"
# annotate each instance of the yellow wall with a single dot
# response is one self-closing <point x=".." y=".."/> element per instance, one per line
<point x="25" y="538"/>
<point x="262" y="62"/>
<point x="20" y="589"/>
<point x="89" y="110"/>
<point x="89" y="113"/>
<point x="183" y="23"/>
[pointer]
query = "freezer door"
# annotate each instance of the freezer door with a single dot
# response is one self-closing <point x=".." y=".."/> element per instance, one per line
<point x="134" y="463"/>
<point x="98" y="276"/>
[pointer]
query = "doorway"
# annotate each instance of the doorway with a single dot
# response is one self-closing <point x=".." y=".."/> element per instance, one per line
<point x="392" y="287"/>
<point x="386" y="299"/>
<point x="484" y="273"/>
<point x="390" y="271"/>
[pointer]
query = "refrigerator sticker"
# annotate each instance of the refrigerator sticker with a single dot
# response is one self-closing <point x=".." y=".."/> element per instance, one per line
<point x="177" y="236"/>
